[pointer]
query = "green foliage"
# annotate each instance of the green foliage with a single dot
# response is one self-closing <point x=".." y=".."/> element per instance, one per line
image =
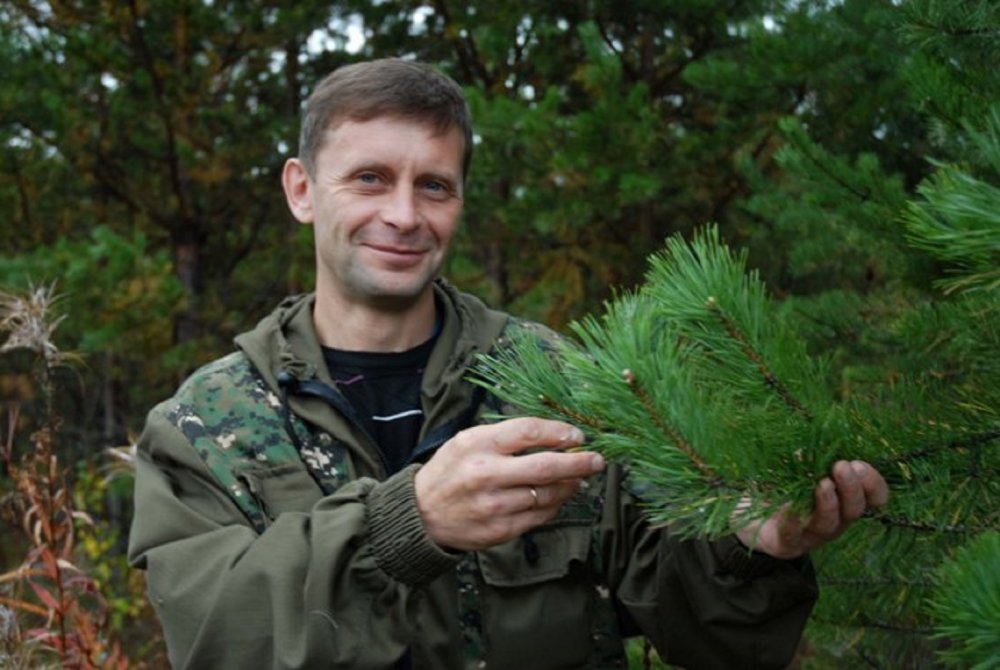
<point x="699" y="385"/>
<point x="699" y="382"/>
<point x="966" y="604"/>
<point x="117" y="291"/>
<point x="958" y="220"/>
<point x="100" y="542"/>
<point x="915" y="374"/>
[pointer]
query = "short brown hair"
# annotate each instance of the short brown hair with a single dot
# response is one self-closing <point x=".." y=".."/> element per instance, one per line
<point x="384" y="87"/>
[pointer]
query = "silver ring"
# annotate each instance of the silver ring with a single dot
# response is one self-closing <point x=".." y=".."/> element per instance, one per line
<point x="534" y="495"/>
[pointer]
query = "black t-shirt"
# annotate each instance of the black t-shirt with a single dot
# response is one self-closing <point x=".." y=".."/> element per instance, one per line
<point x="384" y="389"/>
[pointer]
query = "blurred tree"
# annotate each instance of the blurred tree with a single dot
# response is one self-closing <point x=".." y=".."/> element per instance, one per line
<point x="171" y="118"/>
<point x="165" y="125"/>
<point x="895" y="266"/>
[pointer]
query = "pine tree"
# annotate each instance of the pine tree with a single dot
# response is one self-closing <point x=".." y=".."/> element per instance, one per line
<point x="713" y="392"/>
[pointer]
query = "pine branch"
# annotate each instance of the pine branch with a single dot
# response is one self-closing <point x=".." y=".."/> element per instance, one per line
<point x="973" y="442"/>
<point x="874" y="581"/>
<point x="937" y="529"/>
<point x="896" y="628"/>
<point x="700" y="434"/>
<point x="770" y="379"/>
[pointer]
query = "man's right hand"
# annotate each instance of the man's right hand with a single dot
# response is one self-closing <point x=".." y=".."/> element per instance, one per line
<point x="480" y="490"/>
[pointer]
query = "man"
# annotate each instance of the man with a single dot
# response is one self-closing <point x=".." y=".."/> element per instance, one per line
<point x="327" y="497"/>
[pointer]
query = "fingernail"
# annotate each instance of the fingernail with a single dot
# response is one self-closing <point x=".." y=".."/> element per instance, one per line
<point x="597" y="462"/>
<point x="827" y="488"/>
<point x="575" y="435"/>
<point x="860" y="469"/>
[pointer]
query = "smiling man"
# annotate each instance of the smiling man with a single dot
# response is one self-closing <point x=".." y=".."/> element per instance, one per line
<point x="328" y="495"/>
<point x="384" y="196"/>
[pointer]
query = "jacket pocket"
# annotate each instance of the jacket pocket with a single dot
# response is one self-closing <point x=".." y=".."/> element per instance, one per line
<point x="537" y="597"/>
<point x="283" y="488"/>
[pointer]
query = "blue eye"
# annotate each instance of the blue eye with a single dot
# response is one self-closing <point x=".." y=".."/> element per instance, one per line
<point x="368" y="178"/>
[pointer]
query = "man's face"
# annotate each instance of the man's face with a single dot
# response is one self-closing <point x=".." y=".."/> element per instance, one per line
<point x="385" y="201"/>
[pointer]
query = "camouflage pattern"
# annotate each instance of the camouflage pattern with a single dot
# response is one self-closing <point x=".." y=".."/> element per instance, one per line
<point x="235" y="423"/>
<point x="470" y="611"/>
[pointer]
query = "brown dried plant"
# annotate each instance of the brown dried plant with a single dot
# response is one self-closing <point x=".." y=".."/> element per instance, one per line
<point x="50" y="608"/>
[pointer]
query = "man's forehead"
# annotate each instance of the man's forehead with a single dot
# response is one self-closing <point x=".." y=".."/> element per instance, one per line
<point x="346" y="130"/>
<point x="433" y="128"/>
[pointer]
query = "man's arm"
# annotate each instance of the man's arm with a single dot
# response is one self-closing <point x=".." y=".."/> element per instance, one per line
<point x="305" y="591"/>
<point x="332" y="586"/>
<point x="717" y="604"/>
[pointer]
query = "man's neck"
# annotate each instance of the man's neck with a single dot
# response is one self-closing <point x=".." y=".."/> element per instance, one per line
<point x="350" y="326"/>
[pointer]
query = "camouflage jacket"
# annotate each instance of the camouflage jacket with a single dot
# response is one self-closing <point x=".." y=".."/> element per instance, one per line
<point x="272" y="537"/>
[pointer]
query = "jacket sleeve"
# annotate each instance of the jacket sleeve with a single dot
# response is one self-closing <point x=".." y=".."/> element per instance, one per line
<point x="703" y="604"/>
<point x="331" y="587"/>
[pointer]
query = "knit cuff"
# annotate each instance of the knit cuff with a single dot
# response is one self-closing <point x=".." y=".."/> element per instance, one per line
<point x="401" y="545"/>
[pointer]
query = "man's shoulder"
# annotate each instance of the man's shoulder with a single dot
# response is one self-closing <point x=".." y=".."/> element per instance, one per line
<point x="518" y="329"/>
<point x="224" y="385"/>
<point x="231" y="371"/>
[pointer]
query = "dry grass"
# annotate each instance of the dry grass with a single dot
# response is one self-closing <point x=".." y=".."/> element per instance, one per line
<point x="51" y="612"/>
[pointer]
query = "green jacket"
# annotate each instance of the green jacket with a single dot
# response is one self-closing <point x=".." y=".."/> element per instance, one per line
<point x="273" y="539"/>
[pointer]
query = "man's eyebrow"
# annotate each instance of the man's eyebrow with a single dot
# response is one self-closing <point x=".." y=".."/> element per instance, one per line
<point x="367" y="166"/>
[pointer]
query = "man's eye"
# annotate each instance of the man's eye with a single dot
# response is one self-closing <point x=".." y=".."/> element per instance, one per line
<point x="438" y="189"/>
<point x="368" y="178"/>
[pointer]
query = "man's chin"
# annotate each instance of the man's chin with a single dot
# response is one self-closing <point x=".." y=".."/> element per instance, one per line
<point x="398" y="299"/>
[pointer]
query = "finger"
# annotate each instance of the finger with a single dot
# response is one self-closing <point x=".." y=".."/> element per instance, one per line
<point x="825" y="518"/>
<point x="849" y="491"/>
<point x="789" y="528"/>
<point x="780" y="535"/>
<point x="516" y="435"/>
<point x="555" y="494"/>
<point x="876" y="490"/>
<point x="546" y="467"/>
<point x="517" y="512"/>
<point x="551" y="496"/>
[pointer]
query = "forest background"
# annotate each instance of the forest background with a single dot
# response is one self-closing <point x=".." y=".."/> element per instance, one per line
<point x="142" y="143"/>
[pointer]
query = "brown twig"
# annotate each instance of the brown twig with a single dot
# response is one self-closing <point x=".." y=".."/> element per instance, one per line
<point x="754" y="356"/>
<point x="675" y="436"/>
<point x="896" y="522"/>
<point x="971" y="442"/>
<point x="572" y="414"/>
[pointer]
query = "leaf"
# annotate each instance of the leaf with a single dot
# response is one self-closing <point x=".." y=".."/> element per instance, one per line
<point x="23" y="605"/>
<point x="53" y="605"/>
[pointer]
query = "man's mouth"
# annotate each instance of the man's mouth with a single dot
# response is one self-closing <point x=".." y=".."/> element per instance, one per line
<point x="394" y="249"/>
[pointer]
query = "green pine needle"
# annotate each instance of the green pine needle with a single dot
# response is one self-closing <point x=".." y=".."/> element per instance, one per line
<point x="966" y="605"/>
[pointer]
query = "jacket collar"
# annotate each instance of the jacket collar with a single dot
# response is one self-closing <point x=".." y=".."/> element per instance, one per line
<point x="286" y="339"/>
<point x="285" y="342"/>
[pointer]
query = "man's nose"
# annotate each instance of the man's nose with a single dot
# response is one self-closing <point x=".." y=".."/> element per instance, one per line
<point x="401" y="210"/>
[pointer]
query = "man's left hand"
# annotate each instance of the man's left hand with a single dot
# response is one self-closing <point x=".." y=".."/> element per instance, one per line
<point x="840" y="500"/>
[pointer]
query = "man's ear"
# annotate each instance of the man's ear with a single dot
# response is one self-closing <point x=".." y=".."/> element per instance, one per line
<point x="298" y="190"/>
